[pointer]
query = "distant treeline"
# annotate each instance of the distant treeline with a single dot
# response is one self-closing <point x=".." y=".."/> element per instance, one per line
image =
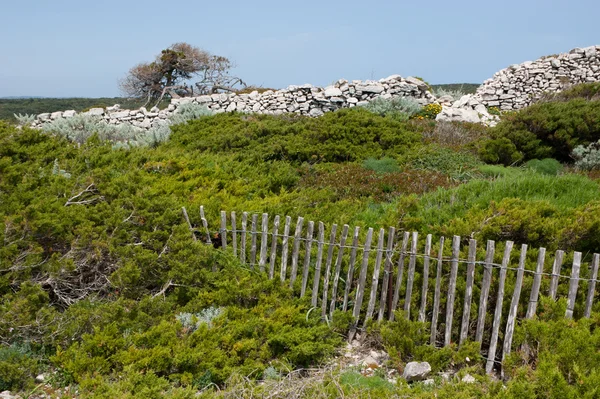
<point x="467" y="88"/>
<point x="9" y="107"/>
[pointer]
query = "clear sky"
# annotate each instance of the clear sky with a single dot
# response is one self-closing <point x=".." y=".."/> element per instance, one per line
<point x="81" y="48"/>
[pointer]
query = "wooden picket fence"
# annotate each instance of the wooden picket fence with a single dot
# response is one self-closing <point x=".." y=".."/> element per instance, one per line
<point x="340" y="266"/>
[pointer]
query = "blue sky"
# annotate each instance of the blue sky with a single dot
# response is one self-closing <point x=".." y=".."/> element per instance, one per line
<point x="81" y="48"/>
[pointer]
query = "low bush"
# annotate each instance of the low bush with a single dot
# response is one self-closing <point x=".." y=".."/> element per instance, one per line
<point x="400" y="108"/>
<point x="346" y="135"/>
<point x="547" y="166"/>
<point x="353" y="181"/>
<point x="587" y="157"/>
<point x="549" y="129"/>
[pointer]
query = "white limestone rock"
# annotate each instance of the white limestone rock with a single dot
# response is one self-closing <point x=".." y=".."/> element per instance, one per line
<point x="416" y="371"/>
<point x="331" y="91"/>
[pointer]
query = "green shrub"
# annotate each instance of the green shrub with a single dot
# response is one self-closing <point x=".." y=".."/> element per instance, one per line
<point x="17" y="368"/>
<point x="345" y="135"/>
<point x="429" y="111"/>
<point x="501" y="150"/>
<point x="383" y="165"/>
<point x="459" y="165"/>
<point x="587" y="157"/>
<point x="398" y="107"/>
<point x="547" y="166"/>
<point x="585" y="91"/>
<point x="544" y="130"/>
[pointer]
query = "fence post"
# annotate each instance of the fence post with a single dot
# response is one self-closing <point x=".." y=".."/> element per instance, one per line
<point x="350" y="275"/>
<point x="514" y="304"/>
<point x="338" y="268"/>
<point x="573" y="285"/>
<point x="558" y="260"/>
<point x="425" y="288"/>
<point x="485" y="289"/>
<point x="591" y="286"/>
<point x="316" y="282"/>
<point x="451" y="290"/>
<point x="223" y="231"/>
<point x="284" y="248"/>
<point x="205" y="224"/>
<point x="274" y="239"/>
<point x="535" y="287"/>
<point x="498" y="311"/>
<point x="233" y="234"/>
<point x="262" y="261"/>
<point x="305" y="268"/>
<point x="295" y="250"/>
<point x="387" y="274"/>
<point x="187" y="219"/>
<point x="253" y="242"/>
<point x="325" y="300"/>
<point x="243" y="237"/>
<point x="360" y="288"/>
<point x="410" y="277"/>
<point x="375" y="279"/>
<point x="436" y="297"/>
<point x="464" y="328"/>
<point x="400" y="274"/>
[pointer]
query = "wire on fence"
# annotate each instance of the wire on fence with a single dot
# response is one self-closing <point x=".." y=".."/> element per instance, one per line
<point x="444" y="258"/>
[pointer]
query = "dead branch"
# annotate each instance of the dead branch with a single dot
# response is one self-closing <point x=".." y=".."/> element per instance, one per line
<point x="91" y="189"/>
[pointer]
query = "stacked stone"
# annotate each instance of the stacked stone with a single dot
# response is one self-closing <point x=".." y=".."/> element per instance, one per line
<point x="305" y="100"/>
<point x="519" y="85"/>
<point x="314" y="101"/>
<point x="114" y="115"/>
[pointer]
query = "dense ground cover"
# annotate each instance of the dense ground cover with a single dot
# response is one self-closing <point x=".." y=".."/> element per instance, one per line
<point x="103" y="287"/>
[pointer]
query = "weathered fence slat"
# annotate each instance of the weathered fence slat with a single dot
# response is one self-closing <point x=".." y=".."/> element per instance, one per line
<point x="233" y="234"/>
<point x="338" y="268"/>
<point x="410" y="276"/>
<point x="317" y="280"/>
<point x="514" y="304"/>
<point x="253" y="241"/>
<point x="223" y="231"/>
<point x="485" y="289"/>
<point x="535" y="287"/>
<point x="375" y="279"/>
<point x="243" y="237"/>
<point x="400" y="274"/>
<point x="360" y="288"/>
<point x="451" y="290"/>
<point x="262" y="260"/>
<point x="437" y="294"/>
<point x="351" y="263"/>
<point x="273" y="255"/>
<point x="187" y="219"/>
<point x="425" y="288"/>
<point x="325" y="300"/>
<point x="284" y="248"/>
<point x="387" y="273"/>
<point x="591" y="286"/>
<point x="498" y="311"/>
<point x="464" y="327"/>
<point x="573" y="284"/>
<point x="306" y="266"/>
<point x="205" y="225"/>
<point x="558" y="260"/>
<point x="295" y="250"/>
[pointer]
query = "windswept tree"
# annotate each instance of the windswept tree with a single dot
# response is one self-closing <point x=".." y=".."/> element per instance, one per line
<point x="169" y="75"/>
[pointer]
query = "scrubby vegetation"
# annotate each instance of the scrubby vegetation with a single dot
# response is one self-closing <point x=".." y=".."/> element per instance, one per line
<point x="551" y="128"/>
<point x="103" y="288"/>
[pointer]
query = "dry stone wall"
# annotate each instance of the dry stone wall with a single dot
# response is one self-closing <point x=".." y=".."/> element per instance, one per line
<point x="305" y="100"/>
<point x="519" y="85"/>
